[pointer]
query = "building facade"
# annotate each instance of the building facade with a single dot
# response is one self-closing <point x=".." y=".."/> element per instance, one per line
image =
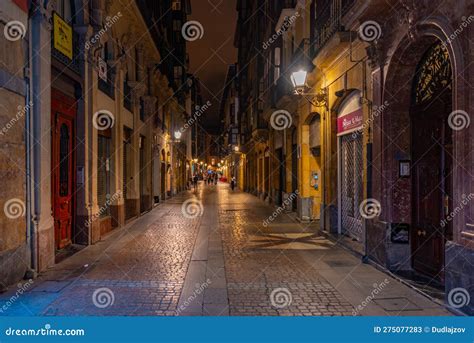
<point x="377" y="143"/>
<point x="97" y="142"/>
<point x="14" y="118"/>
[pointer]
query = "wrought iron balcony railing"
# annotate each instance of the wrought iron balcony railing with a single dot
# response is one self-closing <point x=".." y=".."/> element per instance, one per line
<point x="327" y="21"/>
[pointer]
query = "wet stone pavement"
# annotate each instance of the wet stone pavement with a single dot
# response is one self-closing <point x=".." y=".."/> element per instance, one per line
<point x="223" y="261"/>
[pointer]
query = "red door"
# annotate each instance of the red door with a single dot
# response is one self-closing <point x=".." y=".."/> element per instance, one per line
<point x="63" y="172"/>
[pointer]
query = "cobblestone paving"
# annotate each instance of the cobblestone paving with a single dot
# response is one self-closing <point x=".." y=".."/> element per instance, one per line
<point x="270" y="282"/>
<point x="223" y="263"/>
<point x="140" y="274"/>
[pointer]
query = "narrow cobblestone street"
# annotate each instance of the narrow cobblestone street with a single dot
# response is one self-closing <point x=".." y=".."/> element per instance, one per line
<point x="167" y="264"/>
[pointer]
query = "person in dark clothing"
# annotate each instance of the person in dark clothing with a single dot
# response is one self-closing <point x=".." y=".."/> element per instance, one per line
<point x="232" y="183"/>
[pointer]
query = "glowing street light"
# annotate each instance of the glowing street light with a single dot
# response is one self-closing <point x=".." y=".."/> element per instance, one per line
<point x="298" y="78"/>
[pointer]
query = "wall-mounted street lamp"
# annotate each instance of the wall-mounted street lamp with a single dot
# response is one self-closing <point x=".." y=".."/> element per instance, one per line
<point x="236" y="148"/>
<point x="320" y="99"/>
<point x="177" y="135"/>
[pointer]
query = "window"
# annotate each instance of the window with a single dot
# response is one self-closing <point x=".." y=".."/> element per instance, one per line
<point x="103" y="173"/>
<point x="108" y="86"/>
<point x="178" y="74"/>
<point x="232" y="114"/>
<point x="127" y="94"/>
<point x="65" y="10"/>
<point x="176" y="6"/>
<point x="276" y="72"/>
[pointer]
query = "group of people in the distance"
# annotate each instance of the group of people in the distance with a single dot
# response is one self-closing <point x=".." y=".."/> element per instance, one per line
<point x="210" y="179"/>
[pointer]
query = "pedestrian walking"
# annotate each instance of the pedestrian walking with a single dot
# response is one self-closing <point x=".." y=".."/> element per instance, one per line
<point x="232" y="183"/>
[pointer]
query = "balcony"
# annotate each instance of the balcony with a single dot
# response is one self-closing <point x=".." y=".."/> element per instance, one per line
<point x="327" y="22"/>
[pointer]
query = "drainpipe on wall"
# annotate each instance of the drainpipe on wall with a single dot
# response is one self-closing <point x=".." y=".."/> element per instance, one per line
<point x="29" y="180"/>
<point x="35" y="192"/>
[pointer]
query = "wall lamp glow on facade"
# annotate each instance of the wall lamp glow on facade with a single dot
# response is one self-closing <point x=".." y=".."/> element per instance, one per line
<point x="320" y="99"/>
<point x="177" y="135"/>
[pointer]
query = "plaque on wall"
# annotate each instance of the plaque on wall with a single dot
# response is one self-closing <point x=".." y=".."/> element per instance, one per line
<point x="400" y="233"/>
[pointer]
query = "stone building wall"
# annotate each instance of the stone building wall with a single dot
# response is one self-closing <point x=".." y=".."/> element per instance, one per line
<point x="13" y="113"/>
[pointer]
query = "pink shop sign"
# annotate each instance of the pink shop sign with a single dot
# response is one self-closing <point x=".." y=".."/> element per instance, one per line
<point x="350" y="122"/>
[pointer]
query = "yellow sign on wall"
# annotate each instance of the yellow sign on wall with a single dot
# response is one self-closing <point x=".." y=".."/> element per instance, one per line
<point x="62" y="36"/>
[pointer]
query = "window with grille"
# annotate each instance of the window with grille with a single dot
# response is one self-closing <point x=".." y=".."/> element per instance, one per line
<point x="103" y="175"/>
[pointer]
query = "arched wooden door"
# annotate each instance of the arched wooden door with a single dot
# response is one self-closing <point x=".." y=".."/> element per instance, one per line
<point x="431" y="144"/>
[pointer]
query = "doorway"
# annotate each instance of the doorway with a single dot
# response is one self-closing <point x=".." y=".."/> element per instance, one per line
<point x="432" y="150"/>
<point x="63" y="166"/>
<point x="163" y="175"/>
<point x="294" y="169"/>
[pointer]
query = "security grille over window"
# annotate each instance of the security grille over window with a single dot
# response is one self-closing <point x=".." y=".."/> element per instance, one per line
<point x="351" y="187"/>
<point x="103" y="175"/>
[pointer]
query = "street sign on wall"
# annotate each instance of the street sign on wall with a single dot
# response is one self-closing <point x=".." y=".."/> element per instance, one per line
<point x="62" y="36"/>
